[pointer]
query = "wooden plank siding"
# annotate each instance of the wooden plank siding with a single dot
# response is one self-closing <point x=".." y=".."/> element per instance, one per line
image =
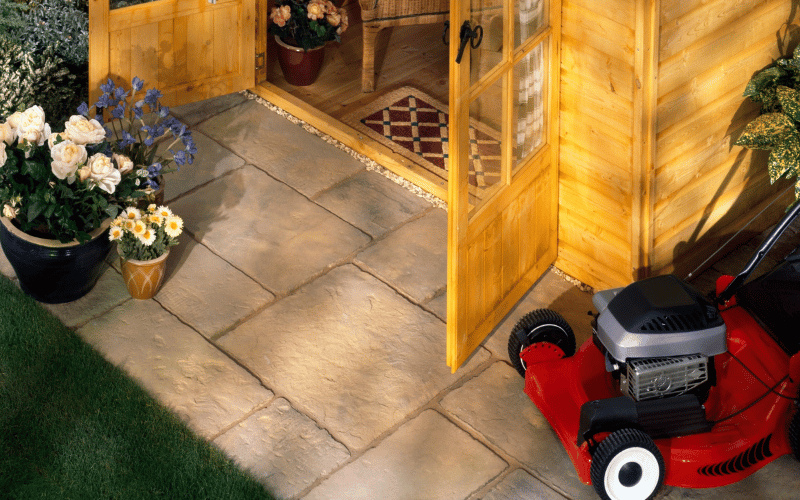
<point x="188" y="49"/>
<point x="706" y="189"/>
<point x="650" y="182"/>
<point x="597" y="92"/>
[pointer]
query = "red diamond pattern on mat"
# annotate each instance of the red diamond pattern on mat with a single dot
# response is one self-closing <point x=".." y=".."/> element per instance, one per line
<point x="421" y="128"/>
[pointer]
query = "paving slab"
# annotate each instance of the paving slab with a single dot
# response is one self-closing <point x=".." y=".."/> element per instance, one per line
<point x="282" y="448"/>
<point x="521" y="485"/>
<point x="372" y="203"/>
<point x="349" y="352"/>
<point x="211" y="161"/>
<point x="281" y="148"/>
<point x="495" y="405"/>
<point x="5" y="266"/>
<point x="413" y="258"/>
<point x="176" y="365"/>
<point x="196" y="112"/>
<point x="426" y="458"/>
<point x="205" y="291"/>
<point x="109" y="292"/>
<point x="266" y="229"/>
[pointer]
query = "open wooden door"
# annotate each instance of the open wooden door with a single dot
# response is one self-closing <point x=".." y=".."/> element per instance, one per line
<point x="188" y="49"/>
<point x="502" y="226"/>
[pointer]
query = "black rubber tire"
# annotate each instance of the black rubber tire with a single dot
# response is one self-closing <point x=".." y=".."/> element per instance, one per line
<point x="540" y="325"/>
<point x="794" y="434"/>
<point x="627" y="465"/>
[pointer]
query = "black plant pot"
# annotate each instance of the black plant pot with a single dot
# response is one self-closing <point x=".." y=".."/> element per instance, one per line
<point x="51" y="271"/>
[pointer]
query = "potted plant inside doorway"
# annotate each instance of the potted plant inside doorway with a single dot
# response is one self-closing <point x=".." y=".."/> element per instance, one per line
<point x="301" y="29"/>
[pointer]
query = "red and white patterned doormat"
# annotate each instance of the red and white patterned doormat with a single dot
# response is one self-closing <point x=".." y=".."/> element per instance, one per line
<point x="413" y="124"/>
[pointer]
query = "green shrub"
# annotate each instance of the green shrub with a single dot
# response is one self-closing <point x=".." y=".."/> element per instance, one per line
<point x="61" y="24"/>
<point x="12" y="17"/>
<point x="43" y="79"/>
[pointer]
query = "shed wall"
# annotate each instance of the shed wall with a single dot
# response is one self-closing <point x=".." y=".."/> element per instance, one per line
<point x="700" y="189"/>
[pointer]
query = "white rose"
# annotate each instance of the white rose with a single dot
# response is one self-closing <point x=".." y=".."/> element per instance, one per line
<point x="3" y="155"/>
<point x="124" y="164"/>
<point x="35" y="135"/>
<point x="54" y="137"/>
<point x="103" y="173"/>
<point x="8" y="134"/>
<point x="35" y="116"/>
<point x="84" y="173"/>
<point x="9" y="211"/>
<point x="14" y="119"/>
<point x="82" y="131"/>
<point x="67" y="157"/>
<point x="32" y="127"/>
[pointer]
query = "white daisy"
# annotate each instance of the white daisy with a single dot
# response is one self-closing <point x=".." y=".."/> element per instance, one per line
<point x="147" y="237"/>
<point x="132" y="213"/>
<point x="174" y="226"/>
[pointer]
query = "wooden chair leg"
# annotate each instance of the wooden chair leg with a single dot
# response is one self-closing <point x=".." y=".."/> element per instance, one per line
<point x="370" y="34"/>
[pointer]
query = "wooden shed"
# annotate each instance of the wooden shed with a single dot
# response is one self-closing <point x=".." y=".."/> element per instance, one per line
<point x="651" y="103"/>
<point x="636" y="105"/>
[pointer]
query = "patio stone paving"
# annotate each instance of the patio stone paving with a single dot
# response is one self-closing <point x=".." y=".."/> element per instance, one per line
<point x="172" y="361"/>
<point x="282" y="448"/>
<point x="301" y="329"/>
<point x="348" y="351"/>
<point x="266" y="229"/>
<point x="427" y="458"/>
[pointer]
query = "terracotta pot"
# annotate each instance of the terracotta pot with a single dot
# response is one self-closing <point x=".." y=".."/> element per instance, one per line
<point x="51" y="271"/>
<point x="143" y="277"/>
<point x="300" y="67"/>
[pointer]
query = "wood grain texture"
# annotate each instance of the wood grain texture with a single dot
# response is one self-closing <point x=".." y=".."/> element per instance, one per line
<point x="189" y="49"/>
<point x="697" y="186"/>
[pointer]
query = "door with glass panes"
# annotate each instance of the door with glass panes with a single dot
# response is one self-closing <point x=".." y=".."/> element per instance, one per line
<point x="503" y="179"/>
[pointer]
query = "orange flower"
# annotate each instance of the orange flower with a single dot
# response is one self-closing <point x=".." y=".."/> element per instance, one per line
<point x="280" y="15"/>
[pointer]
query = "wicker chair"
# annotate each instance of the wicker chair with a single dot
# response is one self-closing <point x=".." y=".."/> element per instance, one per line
<point x="379" y="14"/>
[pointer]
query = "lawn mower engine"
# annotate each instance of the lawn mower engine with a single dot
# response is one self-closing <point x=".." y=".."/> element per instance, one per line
<point x="659" y="336"/>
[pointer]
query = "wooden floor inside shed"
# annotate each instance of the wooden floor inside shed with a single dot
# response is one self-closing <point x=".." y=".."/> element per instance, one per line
<point x="405" y="56"/>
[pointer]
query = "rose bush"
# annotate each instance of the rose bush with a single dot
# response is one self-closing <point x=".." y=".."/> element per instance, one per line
<point x="63" y="185"/>
<point x="50" y="186"/>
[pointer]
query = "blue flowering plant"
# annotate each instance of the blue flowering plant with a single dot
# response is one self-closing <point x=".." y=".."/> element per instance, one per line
<point x="63" y="185"/>
<point x="142" y="130"/>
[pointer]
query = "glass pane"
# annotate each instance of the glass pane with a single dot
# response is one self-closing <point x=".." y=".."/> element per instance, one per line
<point x="118" y="4"/>
<point x="530" y="17"/>
<point x="529" y="97"/>
<point x="488" y="14"/>
<point x="485" y="126"/>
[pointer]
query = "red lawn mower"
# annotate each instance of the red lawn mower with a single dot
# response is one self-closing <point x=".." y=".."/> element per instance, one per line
<point x="672" y="388"/>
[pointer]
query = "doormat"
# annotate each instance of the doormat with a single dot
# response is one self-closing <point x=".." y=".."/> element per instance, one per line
<point x="414" y="125"/>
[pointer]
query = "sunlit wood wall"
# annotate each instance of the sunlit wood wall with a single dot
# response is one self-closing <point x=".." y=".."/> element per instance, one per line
<point x="651" y="103"/>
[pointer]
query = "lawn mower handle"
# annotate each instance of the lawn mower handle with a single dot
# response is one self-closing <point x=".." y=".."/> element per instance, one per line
<point x="765" y="247"/>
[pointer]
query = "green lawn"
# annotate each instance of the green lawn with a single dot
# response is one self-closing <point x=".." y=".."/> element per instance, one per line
<point x="74" y="426"/>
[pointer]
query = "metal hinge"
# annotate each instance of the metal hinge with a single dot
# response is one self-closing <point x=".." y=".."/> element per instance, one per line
<point x="262" y="57"/>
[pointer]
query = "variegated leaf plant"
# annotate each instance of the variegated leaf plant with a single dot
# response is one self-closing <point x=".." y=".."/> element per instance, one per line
<point x="776" y="129"/>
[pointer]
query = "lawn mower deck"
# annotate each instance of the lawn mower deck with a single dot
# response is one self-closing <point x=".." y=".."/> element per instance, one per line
<point x="673" y="388"/>
<point x="729" y="452"/>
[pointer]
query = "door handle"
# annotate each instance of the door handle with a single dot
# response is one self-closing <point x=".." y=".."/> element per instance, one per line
<point x="467" y="34"/>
